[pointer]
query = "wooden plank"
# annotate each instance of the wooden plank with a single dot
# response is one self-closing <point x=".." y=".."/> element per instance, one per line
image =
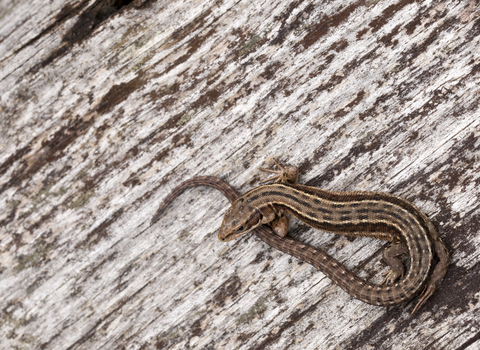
<point x="106" y="106"/>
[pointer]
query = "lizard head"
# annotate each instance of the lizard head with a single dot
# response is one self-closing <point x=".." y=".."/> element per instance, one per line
<point x="239" y="219"/>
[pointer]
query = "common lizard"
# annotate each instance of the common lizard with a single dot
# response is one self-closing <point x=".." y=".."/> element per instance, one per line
<point x="268" y="209"/>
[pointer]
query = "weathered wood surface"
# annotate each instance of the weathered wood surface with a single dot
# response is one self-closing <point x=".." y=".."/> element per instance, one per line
<point x="107" y="105"/>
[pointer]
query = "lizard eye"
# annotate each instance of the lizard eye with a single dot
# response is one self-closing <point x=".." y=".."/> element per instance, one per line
<point x="241" y="228"/>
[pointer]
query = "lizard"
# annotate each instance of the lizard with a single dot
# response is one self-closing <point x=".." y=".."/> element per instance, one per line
<point x="268" y="210"/>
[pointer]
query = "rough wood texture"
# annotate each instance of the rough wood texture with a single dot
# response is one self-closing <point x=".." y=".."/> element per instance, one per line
<point x="107" y="105"/>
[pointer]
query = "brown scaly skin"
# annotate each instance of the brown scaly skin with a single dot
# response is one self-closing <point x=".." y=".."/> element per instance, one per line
<point x="371" y="214"/>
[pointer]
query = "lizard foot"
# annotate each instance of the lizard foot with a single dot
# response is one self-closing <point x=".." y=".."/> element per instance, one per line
<point x="427" y="293"/>
<point x="391" y="276"/>
<point x="285" y="174"/>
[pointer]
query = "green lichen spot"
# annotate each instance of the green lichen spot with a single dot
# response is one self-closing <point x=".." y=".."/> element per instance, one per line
<point x="255" y="40"/>
<point x="258" y="308"/>
<point x="184" y="119"/>
<point x="29" y="260"/>
<point x="250" y="44"/>
<point x="43" y="196"/>
<point x="81" y="200"/>
<point x="184" y="235"/>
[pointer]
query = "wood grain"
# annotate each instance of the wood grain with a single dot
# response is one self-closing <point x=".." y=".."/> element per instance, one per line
<point x="107" y="105"/>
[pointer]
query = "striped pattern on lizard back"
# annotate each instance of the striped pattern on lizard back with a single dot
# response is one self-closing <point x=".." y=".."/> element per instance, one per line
<point x="372" y="214"/>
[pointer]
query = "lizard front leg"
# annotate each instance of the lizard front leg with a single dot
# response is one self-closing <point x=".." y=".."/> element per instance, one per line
<point x="287" y="174"/>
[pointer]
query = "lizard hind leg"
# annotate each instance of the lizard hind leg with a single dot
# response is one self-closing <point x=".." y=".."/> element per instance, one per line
<point x="437" y="274"/>
<point x="391" y="255"/>
<point x="286" y="174"/>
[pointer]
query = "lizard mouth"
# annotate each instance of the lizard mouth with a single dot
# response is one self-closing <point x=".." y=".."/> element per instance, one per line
<point x="225" y="237"/>
<point x="228" y="232"/>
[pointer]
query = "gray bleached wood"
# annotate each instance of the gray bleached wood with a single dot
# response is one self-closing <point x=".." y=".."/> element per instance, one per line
<point x="106" y="106"/>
